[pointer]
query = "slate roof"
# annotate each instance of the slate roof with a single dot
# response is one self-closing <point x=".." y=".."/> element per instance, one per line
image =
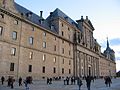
<point x="33" y="18"/>
<point x="58" y="13"/>
<point x="36" y="19"/>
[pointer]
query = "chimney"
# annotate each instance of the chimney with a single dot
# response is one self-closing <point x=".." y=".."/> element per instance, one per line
<point x="41" y="12"/>
<point x="51" y="14"/>
<point x="81" y="17"/>
<point x="86" y="17"/>
<point x="66" y="18"/>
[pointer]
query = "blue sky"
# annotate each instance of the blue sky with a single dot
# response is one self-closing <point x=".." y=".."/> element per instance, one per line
<point x="104" y="15"/>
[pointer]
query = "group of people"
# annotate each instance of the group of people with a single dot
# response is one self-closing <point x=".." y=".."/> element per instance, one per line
<point x="67" y="81"/>
<point x="49" y="80"/>
<point x="11" y="80"/>
<point x="107" y="81"/>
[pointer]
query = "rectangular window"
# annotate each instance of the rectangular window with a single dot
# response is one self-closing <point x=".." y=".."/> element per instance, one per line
<point x="54" y="60"/>
<point x="43" y="69"/>
<point x="54" y="38"/>
<point x="62" y="70"/>
<point x="62" y="33"/>
<point x="54" y="70"/>
<point x="30" y="68"/>
<point x="62" y="24"/>
<point x="13" y="51"/>
<point x="44" y="44"/>
<point x="44" y="34"/>
<point x="69" y="71"/>
<point x="62" y="50"/>
<point x="33" y="28"/>
<point x="31" y="55"/>
<point x="31" y="40"/>
<point x="14" y="35"/>
<point x="63" y="61"/>
<point x="44" y="57"/>
<point x="69" y="52"/>
<point x="69" y="62"/>
<point x="54" y="47"/>
<point x="68" y="36"/>
<point x="62" y="41"/>
<point x="1" y="30"/>
<point x="11" y="66"/>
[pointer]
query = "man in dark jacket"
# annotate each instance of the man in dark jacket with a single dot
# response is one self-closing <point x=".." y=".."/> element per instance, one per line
<point x="2" y="79"/>
<point x="88" y="82"/>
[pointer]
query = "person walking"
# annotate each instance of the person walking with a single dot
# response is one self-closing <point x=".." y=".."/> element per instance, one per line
<point x="88" y="82"/>
<point x="26" y="85"/>
<point x="20" y="81"/>
<point x="12" y="82"/>
<point x="79" y="82"/>
<point x="109" y="81"/>
<point x="2" y="80"/>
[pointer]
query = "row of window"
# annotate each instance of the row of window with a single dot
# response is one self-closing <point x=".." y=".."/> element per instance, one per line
<point x="12" y="65"/>
<point x="31" y="39"/>
<point x="13" y="52"/>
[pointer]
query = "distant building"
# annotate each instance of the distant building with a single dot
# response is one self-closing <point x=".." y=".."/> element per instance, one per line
<point x="56" y="46"/>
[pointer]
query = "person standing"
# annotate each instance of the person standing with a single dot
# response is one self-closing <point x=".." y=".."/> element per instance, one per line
<point x="88" y="82"/>
<point x="2" y="80"/>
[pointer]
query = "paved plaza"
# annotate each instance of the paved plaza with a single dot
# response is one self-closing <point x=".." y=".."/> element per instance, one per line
<point x="59" y="85"/>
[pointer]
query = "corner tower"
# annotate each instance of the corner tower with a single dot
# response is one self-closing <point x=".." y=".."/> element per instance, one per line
<point x="109" y="53"/>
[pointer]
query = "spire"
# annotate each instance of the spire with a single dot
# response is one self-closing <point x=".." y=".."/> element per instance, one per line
<point x="107" y="43"/>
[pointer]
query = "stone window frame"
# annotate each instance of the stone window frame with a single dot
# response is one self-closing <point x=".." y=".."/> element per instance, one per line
<point x="44" y="57"/>
<point x="54" y="70"/>
<point x="31" y="40"/>
<point x="1" y="30"/>
<point x="12" y="65"/>
<point x="29" y="68"/>
<point x="43" y="69"/>
<point x="69" y="71"/>
<point x="54" y="47"/>
<point x="63" y="71"/>
<point x="13" y="51"/>
<point x="44" y="44"/>
<point x="54" y="59"/>
<point x="14" y="35"/>
<point x="31" y="55"/>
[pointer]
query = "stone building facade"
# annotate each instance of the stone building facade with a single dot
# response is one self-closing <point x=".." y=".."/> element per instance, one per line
<point x="56" y="46"/>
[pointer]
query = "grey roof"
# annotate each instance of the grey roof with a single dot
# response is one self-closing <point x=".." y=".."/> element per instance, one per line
<point x="58" y="13"/>
<point x="33" y="18"/>
<point x="36" y="19"/>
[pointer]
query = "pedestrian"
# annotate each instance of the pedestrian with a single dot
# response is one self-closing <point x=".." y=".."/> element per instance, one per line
<point x="12" y="82"/>
<point x="20" y="81"/>
<point x="88" y="82"/>
<point x="47" y="80"/>
<point x="9" y="81"/>
<point x="2" y="80"/>
<point x="26" y="85"/>
<point x="107" y="81"/>
<point x="79" y="82"/>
